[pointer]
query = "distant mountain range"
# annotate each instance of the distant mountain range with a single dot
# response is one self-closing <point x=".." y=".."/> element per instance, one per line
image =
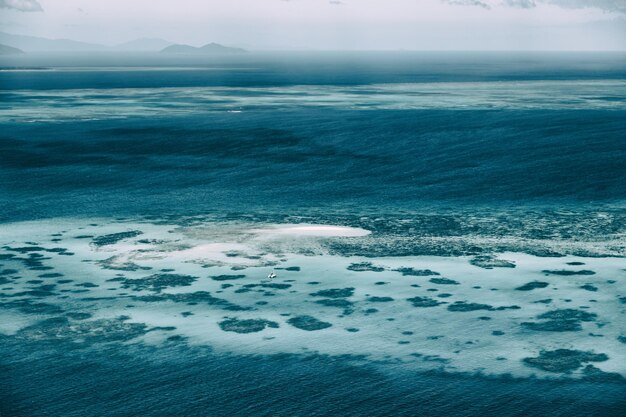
<point x="25" y="43"/>
<point x="9" y="50"/>
<point x="143" y="44"/>
<point x="36" y="44"/>
<point x="210" y="48"/>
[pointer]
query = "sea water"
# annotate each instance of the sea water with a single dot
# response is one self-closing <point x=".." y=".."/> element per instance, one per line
<point x="447" y="234"/>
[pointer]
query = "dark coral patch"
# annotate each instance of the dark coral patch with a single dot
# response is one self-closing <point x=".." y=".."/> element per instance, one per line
<point x="292" y="268"/>
<point x="247" y="325"/>
<point x="563" y="360"/>
<point x="443" y="281"/>
<point x="97" y="331"/>
<point x="567" y="272"/>
<point x="308" y="323"/>
<point x="565" y="320"/>
<point x="412" y="272"/>
<point x="490" y="262"/>
<point x="328" y="302"/>
<point x="532" y="286"/>
<point x="158" y="282"/>
<point x="335" y="293"/>
<point x="113" y="238"/>
<point x="226" y="277"/>
<point x="50" y="275"/>
<point x="465" y="306"/>
<point x="193" y="298"/>
<point x="380" y="299"/>
<point x="276" y="286"/>
<point x="423" y="302"/>
<point x="365" y="266"/>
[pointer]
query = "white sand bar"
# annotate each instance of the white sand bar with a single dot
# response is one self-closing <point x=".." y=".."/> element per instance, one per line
<point x="311" y="230"/>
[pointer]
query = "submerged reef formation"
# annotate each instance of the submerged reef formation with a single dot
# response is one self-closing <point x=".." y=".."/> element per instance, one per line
<point x="95" y="289"/>
<point x="96" y="331"/>
<point x="226" y="277"/>
<point x="158" y="282"/>
<point x="365" y="266"/>
<point x="412" y="272"/>
<point x="490" y="262"/>
<point x="443" y="281"/>
<point x="335" y="293"/>
<point x="467" y="306"/>
<point x="567" y="272"/>
<point x="424" y="302"/>
<point x="563" y="360"/>
<point x="246" y="325"/>
<point x="308" y="323"/>
<point x="532" y="286"/>
<point x="565" y="320"/>
<point x="114" y="238"/>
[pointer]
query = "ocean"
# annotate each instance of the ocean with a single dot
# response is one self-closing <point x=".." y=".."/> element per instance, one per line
<point x="447" y="233"/>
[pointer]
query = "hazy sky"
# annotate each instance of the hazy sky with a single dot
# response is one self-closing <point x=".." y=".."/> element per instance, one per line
<point x="334" y="24"/>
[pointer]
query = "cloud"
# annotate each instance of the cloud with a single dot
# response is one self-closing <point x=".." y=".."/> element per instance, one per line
<point x="607" y="5"/>
<point x="618" y="6"/>
<point x="522" y="4"/>
<point x="21" y="5"/>
<point x="468" y="3"/>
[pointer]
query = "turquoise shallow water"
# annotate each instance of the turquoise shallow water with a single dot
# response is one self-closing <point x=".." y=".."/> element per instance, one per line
<point x="447" y="233"/>
<point x="179" y="316"/>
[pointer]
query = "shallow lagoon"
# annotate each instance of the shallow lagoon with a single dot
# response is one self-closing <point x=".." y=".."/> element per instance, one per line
<point x="207" y="284"/>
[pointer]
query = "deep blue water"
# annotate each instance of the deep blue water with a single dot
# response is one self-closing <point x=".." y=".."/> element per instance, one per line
<point x="175" y="381"/>
<point x="151" y="154"/>
<point x="307" y="68"/>
<point x="312" y="158"/>
<point x="496" y="145"/>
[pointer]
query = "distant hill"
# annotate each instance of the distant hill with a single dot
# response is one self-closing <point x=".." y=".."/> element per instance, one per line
<point x="9" y="50"/>
<point x="217" y="48"/>
<point x="36" y="44"/>
<point x="143" y="44"/>
<point x="180" y="49"/>
<point x="210" y="48"/>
